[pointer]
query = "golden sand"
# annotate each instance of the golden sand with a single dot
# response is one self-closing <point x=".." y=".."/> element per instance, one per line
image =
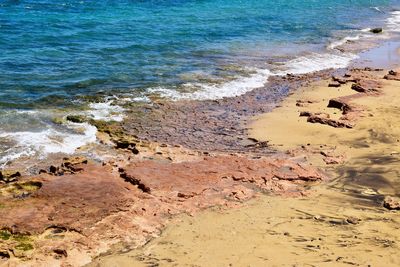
<point x="341" y="223"/>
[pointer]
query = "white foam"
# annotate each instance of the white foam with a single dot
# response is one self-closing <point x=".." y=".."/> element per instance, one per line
<point x="142" y="99"/>
<point x="317" y="62"/>
<point x="233" y="88"/>
<point x="301" y="65"/>
<point x="341" y="42"/>
<point x="41" y="144"/>
<point x="393" y="22"/>
<point x="12" y="155"/>
<point x="366" y="30"/>
<point x="106" y="111"/>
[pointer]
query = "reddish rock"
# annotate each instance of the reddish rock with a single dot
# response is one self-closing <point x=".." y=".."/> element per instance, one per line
<point x="78" y="201"/>
<point x="341" y="104"/>
<point x="306" y="114"/>
<point x="74" y="201"/>
<point x="366" y="86"/>
<point x="330" y="158"/>
<point x="303" y="103"/>
<point x="392" y="203"/>
<point x="331" y="122"/>
<point x="339" y="80"/>
<point x="211" y="173"/>
<point x="334" y="84"/>
<point x="392" y="75"/>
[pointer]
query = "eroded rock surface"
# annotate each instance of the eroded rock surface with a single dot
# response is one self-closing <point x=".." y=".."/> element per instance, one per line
<point x="215" y="125"/>
<point x="364" y="82"/>
<point x="393" y="75"/>
<point x="102" y="205"/>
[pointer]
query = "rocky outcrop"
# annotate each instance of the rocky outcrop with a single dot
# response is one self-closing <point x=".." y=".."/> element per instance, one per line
<point x="392" y="75"/>
<point x="212" y="124"/>
<point x="68" y="166"/>
<point x="366" y="86"/>
<point x="365" y="82"/>
<point x="214" y="173"/>
<point x="8" y="176"/>
<point x="341" y="104"/>
<point x="323" y="119"/>
<point x="96" y="205"/>
<point x="78" y="200"/>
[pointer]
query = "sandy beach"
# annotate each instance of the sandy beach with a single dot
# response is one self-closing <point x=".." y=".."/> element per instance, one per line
<point x="304" y="173"/>
<point x="338" y="223"/>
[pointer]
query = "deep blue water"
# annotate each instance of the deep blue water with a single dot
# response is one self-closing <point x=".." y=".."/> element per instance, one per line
<point x="54" y="52"/>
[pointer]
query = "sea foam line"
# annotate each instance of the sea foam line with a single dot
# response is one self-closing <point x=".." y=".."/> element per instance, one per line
<point x="393" y="22"/>
<point x="301" y="65"/>
<point x="233" y="88"/>
<point x="40" y="144"/>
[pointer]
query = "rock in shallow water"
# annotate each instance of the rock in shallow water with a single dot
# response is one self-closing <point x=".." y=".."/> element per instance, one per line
<point x="376" y="30"/>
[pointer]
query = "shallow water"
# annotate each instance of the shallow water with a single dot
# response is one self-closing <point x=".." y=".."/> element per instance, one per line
<point x="55" y="53"/>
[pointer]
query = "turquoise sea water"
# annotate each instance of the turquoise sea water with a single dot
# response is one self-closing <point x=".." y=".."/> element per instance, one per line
<point x="55" y="52"/>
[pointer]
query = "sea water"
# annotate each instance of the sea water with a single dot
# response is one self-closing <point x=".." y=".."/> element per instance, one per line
<point x="68" y="56"/>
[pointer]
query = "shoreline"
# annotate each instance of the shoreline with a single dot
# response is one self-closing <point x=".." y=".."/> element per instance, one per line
<point x="61" y="135"/>
<point x="342" y="221"/>
<point x="128" y="150"/>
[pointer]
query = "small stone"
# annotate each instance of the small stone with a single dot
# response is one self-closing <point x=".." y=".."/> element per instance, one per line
<point x="376" y="30"/>
<point x="391" y="203"/>
<point x="59" y="253"/>
<point x="353" y="220"/>
<point x="317" y="217"/>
